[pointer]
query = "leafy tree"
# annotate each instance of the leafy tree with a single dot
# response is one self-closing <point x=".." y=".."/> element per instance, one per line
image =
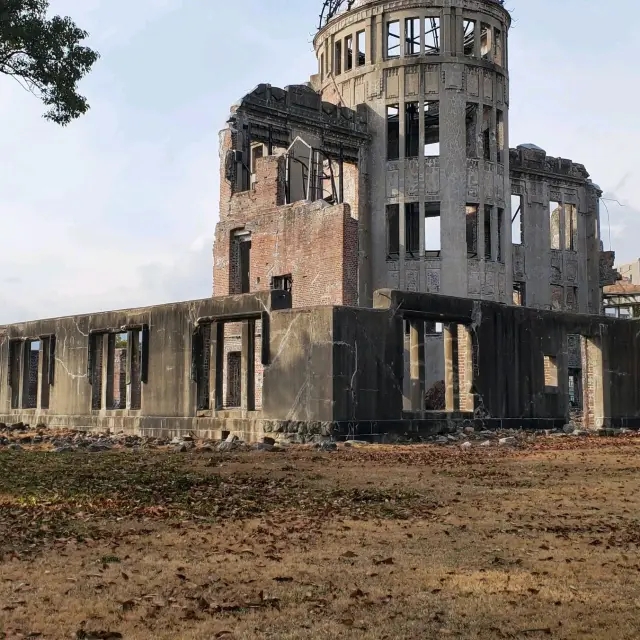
<point x="45" y="56"/>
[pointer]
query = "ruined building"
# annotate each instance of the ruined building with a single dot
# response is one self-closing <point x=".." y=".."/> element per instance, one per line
<point x="384" y="262"/>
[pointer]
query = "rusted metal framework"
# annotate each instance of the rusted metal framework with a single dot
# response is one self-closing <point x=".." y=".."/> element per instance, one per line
<point x="331" y="8"/>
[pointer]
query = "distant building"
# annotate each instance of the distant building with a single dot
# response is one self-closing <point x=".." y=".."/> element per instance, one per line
<point x="622" y="300"/>
<point x="630" y="272"/>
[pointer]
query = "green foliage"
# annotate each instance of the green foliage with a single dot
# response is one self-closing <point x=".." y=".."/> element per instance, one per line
<point x="45" y="56"/>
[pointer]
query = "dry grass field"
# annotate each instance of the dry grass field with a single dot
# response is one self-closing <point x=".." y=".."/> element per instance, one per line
<point x="375" y="542"/>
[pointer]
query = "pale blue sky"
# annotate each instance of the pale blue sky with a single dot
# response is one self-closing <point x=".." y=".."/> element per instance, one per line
<point x="119" y="208"/>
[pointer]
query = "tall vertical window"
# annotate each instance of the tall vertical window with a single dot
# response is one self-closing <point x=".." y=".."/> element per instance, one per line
<point x="488" y="231"/>
<point x="519" y="294"/>
<point x="432" y="39"/>
<point x="412" y="229"/>
<point x="571" y="227"/>
<point x="361" y="43"/>
<point x="337" y="58"/>
<point x="411" y="130"/>
<point x="486" y="46"/>
<point x="472" y="129"/>
<point x="393" y="230"/>
<point x="500" y="135"/>
<point x="555" y="222"/>
<point x="469" y="27"/>
<point x="393" y="132"/>
<point x="393" y="39"/>
<point x="498" y="50"/>
<point x="517" y="230"/>
<point x="432" y="128"/>
<point x="486" y="132"/>
<point x="412" y="36"/>
<point x="348" y="45"/>
<point x="472" y="230"/>
<point x="432" y="231"/>
<point x="500" y="234"/>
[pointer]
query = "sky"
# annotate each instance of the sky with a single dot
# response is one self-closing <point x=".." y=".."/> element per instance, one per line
<point x="119" y="208"/>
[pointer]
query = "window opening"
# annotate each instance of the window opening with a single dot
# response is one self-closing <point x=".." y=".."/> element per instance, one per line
<point x="202" y="365"/>
<point x="95" y="368"/>
<point x="412" y="36"/>
<point x="488" y="231"/>
<point x="393" y="39"/>
<point x="361" y="43"/>
<point x="432" y="128"/>
<point x="611" y="311"/>
<point x="337" y="58"/>
<point x="485" y="41"/>
<point x="469" y="37"/>
<point x="282" y="283"/>
<point x="500" y="235"/>
<point x="30" y="391"/>
<point x="117" y="371"/>
<point x="432" y="237"/>
<point x="412" y="228"/>
<point x="472" y="129"/>
<point x="517" y="230"/>
<point x="393" y="132"/>
<point x="48" y="364"/>
<point x="571" y="232"/>
<point x="411" y="130"/>
<point x="497" y="48"/>
<point x="575" y="388"/>
<point x="472" y="230"/>
<point x="500" y="135"/>
<point x="550" y="371"/>
<point x="393" y="230"/>
<point x="135" y="368"/>
<point x="519" y="294"/>
<point x="15" y="348"/>
<point x="348" y="45"/>
<point x="555" y="214"/>
<point x="234" y="379"/>
<point x="432" y="36"/>
<point x="486" y="132"/>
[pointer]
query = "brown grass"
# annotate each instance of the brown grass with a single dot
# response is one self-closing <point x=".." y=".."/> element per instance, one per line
<point x="381" y="542"/>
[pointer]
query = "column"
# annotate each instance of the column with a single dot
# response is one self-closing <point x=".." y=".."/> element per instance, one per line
<point x="217" y="360"/>
<point x="452" y="400"/>
<point x="465" y="368"/>
<point x="416" y="359"/>
<point x="248" y="400"/>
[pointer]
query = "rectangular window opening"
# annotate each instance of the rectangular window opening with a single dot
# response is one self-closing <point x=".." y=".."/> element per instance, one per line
<point x="412" y="229"/>
<point x="432" y="231"/>
<point x="432" y="39"/>
<point x="555" y="215"/>
<point x="497" y="48"/>
<point x="469" y="27"/>
<point x="472" y="230"/>
<point x="486" y="132"/>
<point x="393" y="230"/>
<point x="117" y="371"/>
<point x="47" y="369"/>
<point x="431" y="128"/>
<point x="31" y="373"/>
<point x="500" y="235"/>
<point x="393" y="132"/>
<point x="412" y="36"/>
<point x="575" y="388"/>
<point x="571" y="230"/>
<point x="500" y="135"/>
<point x="201" y="354"/>
<point x="348" y="45"/>
<point x="472" y="129"/>
<point x="551" y="372"/>
<point x="337" y="58"/>
<point x="411" y="130"/>
<point x="519" y="294"/>
<point x="517" y="230"/>
<point x="486" y="46"/>
<point x="488" y="231"/>
<point x="96" y="349"/>
<point x="135" y="368"/>
<point x="393" y="39"/>
<point x="361" y="43"/>
<point x="282" y="283"/>
<point x="233" y="397"/>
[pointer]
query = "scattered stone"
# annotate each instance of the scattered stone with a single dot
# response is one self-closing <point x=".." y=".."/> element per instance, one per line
<point x="581" y="432"/>
<point x="326" y="446"/>
<point x="66" y="449"/>
<point x="15" y="447"/>
<point x="232" y="438"/>
<point x="466" y="445"/>
<point x="268" y="440"/>
<point x="96" y="447"/>
<point x="503" y="442"/>
<point x="355" y="443"/>
<point x="442" y="440"/>
<point x="568" y="429"/>
<point x="486" y="443"/>
<point x="469" y="431"/>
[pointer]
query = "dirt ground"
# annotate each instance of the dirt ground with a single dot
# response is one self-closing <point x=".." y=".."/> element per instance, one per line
<point x="374" y="542"/>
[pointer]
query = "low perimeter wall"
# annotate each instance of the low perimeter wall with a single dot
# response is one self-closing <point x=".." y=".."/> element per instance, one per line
<point x="251" y="365"/>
